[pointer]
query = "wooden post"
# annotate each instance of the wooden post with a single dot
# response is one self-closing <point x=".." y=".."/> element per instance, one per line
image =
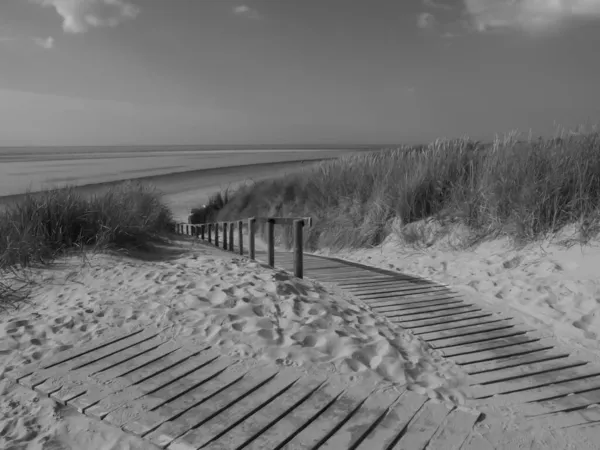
<point x="210" y="233"/>
<point x="298" y="243"/>
<point x="241" y="236"/>
<point x="251" y="233"/>
<point x="217" y="234"/>
<point x="224" y="235"/>
<point x="231" y="234"/>
<point x="202" y="229"/>
<point x="271" y="242"/>
<point x="187" y="229"/>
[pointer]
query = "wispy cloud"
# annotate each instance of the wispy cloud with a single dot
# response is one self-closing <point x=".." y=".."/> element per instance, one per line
<point x="426" y="21"/>
<point x="529" y="15"/>
<point x="81" y="15"/>
<point x="246" y="11"/>
<point x="47" y="43"/>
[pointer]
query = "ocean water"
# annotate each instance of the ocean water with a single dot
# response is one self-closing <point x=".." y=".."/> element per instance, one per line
<point x="34" y="169"/>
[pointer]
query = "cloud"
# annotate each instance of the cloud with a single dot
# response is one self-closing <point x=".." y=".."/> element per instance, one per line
<point x="246" y="11"/>
<point x="47" y="43"/>
<point x="436" y="4"/>
<point x="81" y="15"/>
<point x="529" y="15"/>
<point x="426" y="21"/>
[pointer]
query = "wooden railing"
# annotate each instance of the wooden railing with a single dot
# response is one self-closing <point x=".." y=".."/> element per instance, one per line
<point x="210" y="232"/>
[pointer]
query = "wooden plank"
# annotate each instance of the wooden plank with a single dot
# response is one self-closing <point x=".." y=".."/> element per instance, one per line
<point x="77" y="382"/>
<point x="386" y="293"/>
<point x="529" y="370"/>
<point x="375" y="280"/>
<point x="470" y="330"/>
<point x="458" y="326"/>
<point x="245" y="407"/>
<point x="454" y="431"/>
<point x="444" y="320"/>
<point x="575" y="400"/>
<point x="480" y="337"/>
<point x="399" y="415"/>
<point x="111" y="337"/>
<point x="125" y="399"/>
<point x="423" y="306"/>
<point x="298" y="418"/>
<point x="386" y="284"/>
<point x="423" y="426"/>
<point x="502" y="353"/>
<point x="328" y="421"/>
<point x="173" y="400"/>
<point x="449" y="314"/>
<point x="205" y="410"/>
<point x="505" y="363"/>
<point x="132" y="372"/>
<point x="355" y="430"/>
<point x="90" y="357"/>
<point x="382" y="288"/>
<point x="409" y="300"/>
<point x="488" y="345"/>
<point x="530" y="382"/>
<point x="267" y="416"/>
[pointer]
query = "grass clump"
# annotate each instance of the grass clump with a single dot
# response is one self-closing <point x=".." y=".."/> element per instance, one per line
<point x="524" y="189"/>
<point x="44" y="225"/>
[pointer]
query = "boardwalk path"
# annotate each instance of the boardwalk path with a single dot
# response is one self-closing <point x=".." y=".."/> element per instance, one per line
<point x="181" y="394"/>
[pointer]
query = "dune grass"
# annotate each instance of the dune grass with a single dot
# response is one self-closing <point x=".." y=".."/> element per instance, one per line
<point x="521" y="189"/>
<point x="44" y="225"/>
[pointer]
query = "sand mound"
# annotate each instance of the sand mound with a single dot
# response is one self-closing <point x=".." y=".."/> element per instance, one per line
<point x="240" y="307"/>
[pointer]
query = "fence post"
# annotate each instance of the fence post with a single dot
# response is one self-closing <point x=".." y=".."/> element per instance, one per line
<point x="210" y="233"/>
<point x="202" y="228"/>
<point x="241" y="236"/>
<point x="231" y="235"/>
<point x="271" y="242"/>
<point x="251" y="233"/>
<point x="298" y="242"/>
<point x="217" y="234"/>
<point x="225" y="235"/>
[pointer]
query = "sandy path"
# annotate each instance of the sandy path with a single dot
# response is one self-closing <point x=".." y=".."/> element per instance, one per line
<point x="247" y="311"/>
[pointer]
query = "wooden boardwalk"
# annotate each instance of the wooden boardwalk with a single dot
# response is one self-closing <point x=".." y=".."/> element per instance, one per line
<point x="507" y="363"/>
<point x="185" y="395"/>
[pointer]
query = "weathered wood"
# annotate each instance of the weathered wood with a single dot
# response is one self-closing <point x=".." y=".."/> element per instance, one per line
<point x="401" y="308"/>
<point x="225" y="225"/>
<point x="231" y="235"/>
<point x="411" y="299"/>
<point x="241" y="237"/>
<point x="423" y="426"/>
<point x="418" y="325"/>
<point x="205" y="410"/>
<point x="389" y="429"/>
<point x="298" y="249"/>
<point x="216" y="234"/>
<point x="328" y="421"/>
<point x="391" y="289"/>
<point x="459" y="326"/>
<point x="284" y="220"/>
<point x="267" y="416"/>
<point x="513" y="361"/>
<point x="454" y="431"/>
<point x="447" y="313"/>
<point x="125" y="401"/>
<point x="217" y="426"/>
<point x="486" y="336"/>
<point x="271" y="243"/>
<point x="174" y="398"/>
<point x="355" y="430"/>
<point x="488" y="345"/>
<point x="473" y="331"/>
<point x="251" y="238"/>
<point x="300" y="416"/>
<point x="378" y="294"/>
<point x="210" y="233"/>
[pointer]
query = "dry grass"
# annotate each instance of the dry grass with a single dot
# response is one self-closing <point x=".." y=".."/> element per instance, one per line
<point x="523" y="189"/>
<point x="43" y="226"/>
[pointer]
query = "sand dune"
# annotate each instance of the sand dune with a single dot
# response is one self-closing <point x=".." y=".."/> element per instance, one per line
<point x="242" y="308"/>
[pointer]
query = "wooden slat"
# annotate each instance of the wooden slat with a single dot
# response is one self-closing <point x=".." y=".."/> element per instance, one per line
<point x="458" y="326"/>
<point x="125" y="401"/>
<point x="137" y="370"/>
<point x="579" y="400"/>
<point x="423" y="426"/>
<point x="448" y="314"/>
<point x="355" y="429"/>
<point x="488" y="345"/>
<point x="296" y="420"/>
<point x="77" y="382"/>
<point x="90" y="357"/>
<point x="245" y="407"/>
<point x="202" y="411"/>
<point x="113" y="336"/>
<point x="504" y="363"/>
<point x="376" y="279"/>
<point x="410" y="301"/>
<point x="387" y="284"/>
<point x="415" y="306"/>
<point x="389" y="429"/>
<point x="501" y="353"/>
<point x="444" y="320"/>
<point x="387" y="293"/>
<point x="529" y="370"/>
<point x="481" y="337"/>
<point x="470" y="330"/>
<point x="268" y="416"/>
<point x="454" y="431"/>
<point x="427" y="310"/>
<point x="173" y="400"/>
<point x="393" y="287"/>
<point x="328" y="421"/>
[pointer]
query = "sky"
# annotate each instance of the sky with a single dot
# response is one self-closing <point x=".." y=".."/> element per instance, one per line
<point x="202" y="72"/>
